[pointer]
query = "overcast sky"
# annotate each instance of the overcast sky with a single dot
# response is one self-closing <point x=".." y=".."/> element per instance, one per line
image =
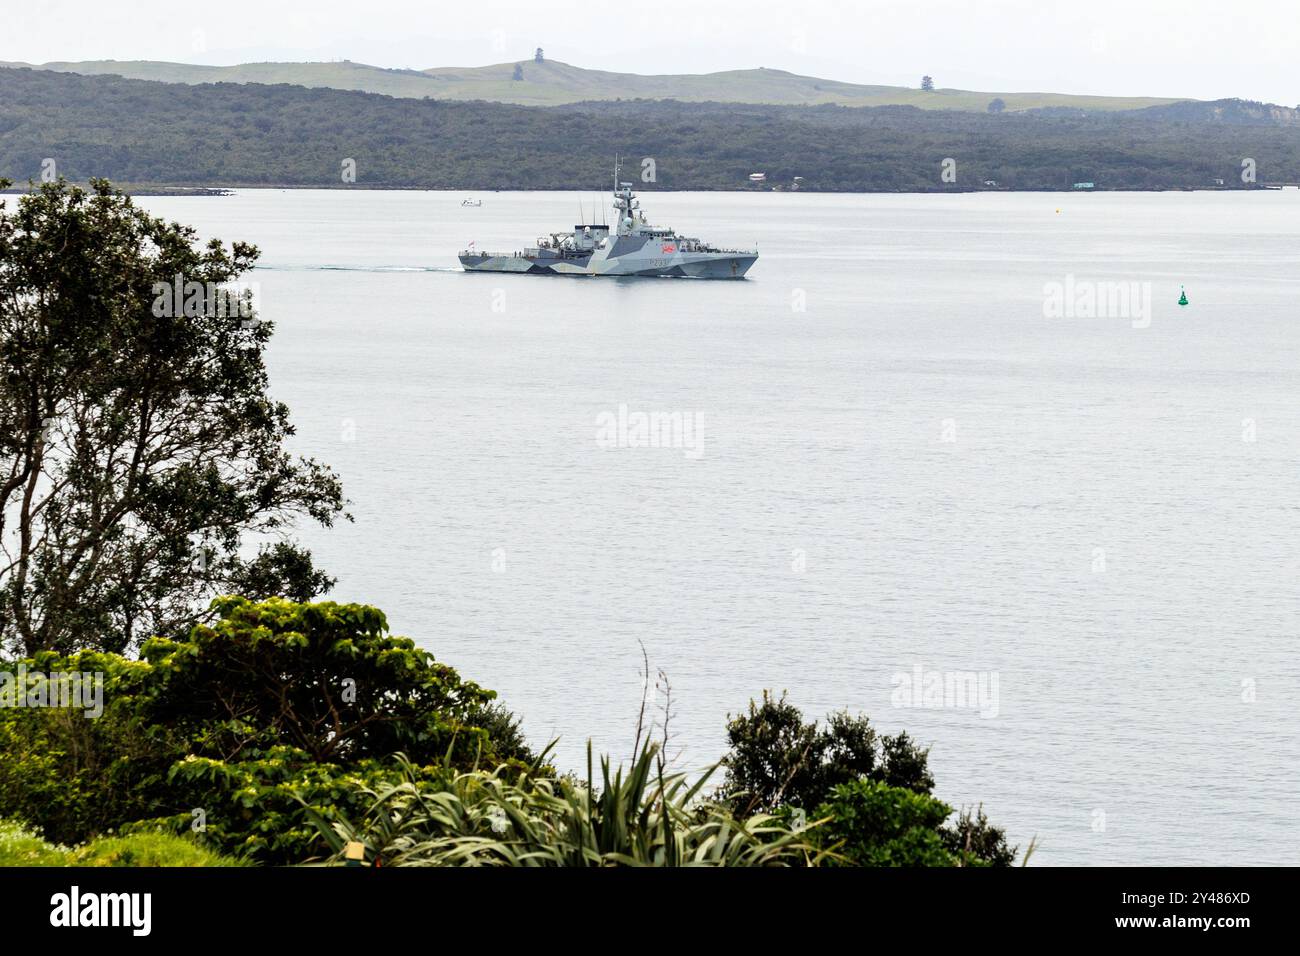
<point x="1203" y="49"/>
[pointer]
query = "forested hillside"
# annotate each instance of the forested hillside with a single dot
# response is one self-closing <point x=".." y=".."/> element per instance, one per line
<point x="149" y="133"/>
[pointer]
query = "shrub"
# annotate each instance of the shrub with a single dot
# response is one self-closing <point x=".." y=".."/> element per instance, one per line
<point x="870" y="823"/>
<point x="776" y="758"/>
<point x="646" y="817"/>
<point x="147" y="849"/>
<point x="325" y="678"/>
<point x="971" y="833"/>
<point x="777" y="762"/>
<point x="258" y="807"/>
<point x="76" y="777"/>
<point x="274" y="701"/>
<point x="20" y="846"/>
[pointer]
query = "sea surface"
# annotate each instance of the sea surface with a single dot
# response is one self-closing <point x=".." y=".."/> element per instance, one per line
<point x="905" y="450"/>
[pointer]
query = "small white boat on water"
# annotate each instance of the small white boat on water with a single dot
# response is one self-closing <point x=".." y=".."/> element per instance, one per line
<point x="472" y="202"/>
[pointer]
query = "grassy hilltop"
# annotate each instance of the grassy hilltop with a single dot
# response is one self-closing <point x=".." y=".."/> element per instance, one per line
<point x="553" y="83"/>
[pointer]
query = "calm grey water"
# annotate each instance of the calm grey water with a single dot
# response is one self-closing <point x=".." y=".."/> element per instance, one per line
<point x="904" y="463"/>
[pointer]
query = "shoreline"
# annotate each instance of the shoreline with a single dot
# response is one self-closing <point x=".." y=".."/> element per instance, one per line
<point x="154" y="189"/>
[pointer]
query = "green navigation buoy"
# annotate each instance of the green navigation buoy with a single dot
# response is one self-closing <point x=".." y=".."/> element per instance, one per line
<point x="1182" y="299"/>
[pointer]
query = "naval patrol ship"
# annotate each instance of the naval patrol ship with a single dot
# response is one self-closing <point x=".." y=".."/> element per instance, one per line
<point x="632" y="248"/>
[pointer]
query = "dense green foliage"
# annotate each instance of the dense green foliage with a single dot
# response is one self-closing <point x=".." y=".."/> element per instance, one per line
<point x="776" y="759"/>
<point x="229" y="728"/>
<point x="644" y="817"/>
<point x="875" y="789"/>
<point x="870" y="823"/>
<point x="281" y="731"/>
<point x="324" y="678"/>
<point x="143" y="132"/>
<point x="75" y="777"/>
<point x="19" y="846"/>
<point x="871" y="798"/>
<point x="139" y="448"/>
<point x="649" y="817"/>
<point x="971" y="835"/>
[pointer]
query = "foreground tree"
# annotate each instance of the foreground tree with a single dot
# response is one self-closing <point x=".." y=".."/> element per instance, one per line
<point x="776" y="759"/>
<point x="874" y="790"/>
<point x="271" y="708"/>
<point x="140" y="453"/>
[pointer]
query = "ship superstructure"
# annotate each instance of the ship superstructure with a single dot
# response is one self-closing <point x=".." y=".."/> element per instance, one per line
<point x="631" y="247"/>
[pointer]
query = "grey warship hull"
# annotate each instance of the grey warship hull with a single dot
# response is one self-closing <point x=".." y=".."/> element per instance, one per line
<point x="629" y="247"/>
<point x="699" y="265"/>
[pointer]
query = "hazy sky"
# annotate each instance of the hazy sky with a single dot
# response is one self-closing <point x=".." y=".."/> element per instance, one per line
<point x="1204" y="49"/>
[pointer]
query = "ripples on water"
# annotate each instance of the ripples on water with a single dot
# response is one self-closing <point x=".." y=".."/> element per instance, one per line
<point x="1099" y="532"/>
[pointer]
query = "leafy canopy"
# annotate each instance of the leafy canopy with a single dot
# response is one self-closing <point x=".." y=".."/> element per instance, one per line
<point x="245" y="719"/>
<point x="872" y="793"/>
<point x="776" y="759"/>
<point x="870" y="823"/>
<point x="327" y="679"/>
<point x="644" y="816"/>
<point x="138" y="450"/>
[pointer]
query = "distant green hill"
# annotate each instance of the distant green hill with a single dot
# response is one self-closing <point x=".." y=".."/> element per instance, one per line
<point x="553" y="83"/>
<point x="337" y="76"/>
<point x="233" y="134"/>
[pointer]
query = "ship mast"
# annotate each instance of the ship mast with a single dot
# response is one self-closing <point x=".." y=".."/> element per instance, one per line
<point x="625" y="202"/>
